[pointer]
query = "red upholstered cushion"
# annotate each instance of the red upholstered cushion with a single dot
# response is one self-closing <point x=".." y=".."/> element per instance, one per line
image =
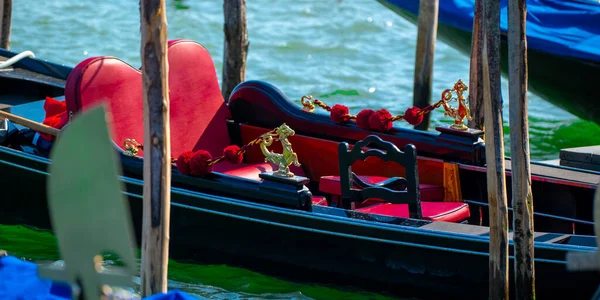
<point x="331" y="185"/>
<point x="249" y="171"/>
<point x="198" y="113"/>
<point x="319" y="200"/>
<point x="112" y="81"/>
<point x="197" y="110"/>
<point x="434" y="211"/>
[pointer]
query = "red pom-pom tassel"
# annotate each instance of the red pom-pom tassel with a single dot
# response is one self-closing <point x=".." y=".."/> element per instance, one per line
<point x="231" y="154"/>
<point x="199" y="163"/>
<point x="381" y="120"/>
<point x="54" y="107"/>
<point x="362" y="119"/>
<point x="56" y="116"/>
<point x="183" y="163"/>
<point x="339" y="113"/>
<point x="412" y="116"/>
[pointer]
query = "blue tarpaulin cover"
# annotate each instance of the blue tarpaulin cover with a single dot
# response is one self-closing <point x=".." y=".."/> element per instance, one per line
<point x="568" y="28"/>
<point x="19" y="280"/>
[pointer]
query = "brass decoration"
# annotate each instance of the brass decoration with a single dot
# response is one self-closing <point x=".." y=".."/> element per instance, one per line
<point x="307" y="106"/>
<point x="285" y="159"/>
<point x="460" y="113"/>
<point x="131" y="147"/>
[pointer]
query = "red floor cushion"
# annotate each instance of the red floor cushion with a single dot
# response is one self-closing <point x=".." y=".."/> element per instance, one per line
<point x="319" y="200"/>
<point x="433" y="211"/>
<point x="250" y="171"/>
<point x="331" y="185"/>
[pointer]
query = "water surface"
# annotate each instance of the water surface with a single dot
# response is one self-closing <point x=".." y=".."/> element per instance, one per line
<point x="203" y="281"/>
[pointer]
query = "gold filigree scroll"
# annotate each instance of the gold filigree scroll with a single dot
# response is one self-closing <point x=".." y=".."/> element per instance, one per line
<point x="131" y="147"/>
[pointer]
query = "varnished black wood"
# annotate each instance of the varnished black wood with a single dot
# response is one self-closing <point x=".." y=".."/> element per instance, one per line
<point x="260" y="96"/>
<point x="408" y="159"/>
<point x="394" y="183"/>
<point x="274" y="186"/>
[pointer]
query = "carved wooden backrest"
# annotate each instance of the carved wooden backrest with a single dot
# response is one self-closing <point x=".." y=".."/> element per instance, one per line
<point x="389" y="152"/>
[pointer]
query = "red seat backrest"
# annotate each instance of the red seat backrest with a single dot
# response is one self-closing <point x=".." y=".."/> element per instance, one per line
<point x="197" y="110"/>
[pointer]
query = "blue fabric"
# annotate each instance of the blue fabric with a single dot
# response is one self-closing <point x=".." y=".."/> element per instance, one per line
<point x="561" y="27"/>
<point x="19" y="280"/>
<point x="171" y="295"/>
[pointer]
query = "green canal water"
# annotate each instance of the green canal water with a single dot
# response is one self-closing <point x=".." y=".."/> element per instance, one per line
<point x="204" y="281"/>
<point x="354" y="52"/>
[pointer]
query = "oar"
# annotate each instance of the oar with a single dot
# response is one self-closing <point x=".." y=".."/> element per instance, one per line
<point x="88" y="211"/>
<point x="30" y="123"/>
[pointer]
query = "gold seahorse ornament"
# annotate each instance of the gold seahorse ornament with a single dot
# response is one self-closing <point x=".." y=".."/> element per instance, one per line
<point x="284" y="159"/>
<point x="460" y="113"/>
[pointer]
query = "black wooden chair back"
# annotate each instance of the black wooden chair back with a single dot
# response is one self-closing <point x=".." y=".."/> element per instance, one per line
<point x="406" y="158"/>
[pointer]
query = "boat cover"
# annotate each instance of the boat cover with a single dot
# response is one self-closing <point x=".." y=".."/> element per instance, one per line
<point x="568" y="28"/>
<point x="19" y="280"/>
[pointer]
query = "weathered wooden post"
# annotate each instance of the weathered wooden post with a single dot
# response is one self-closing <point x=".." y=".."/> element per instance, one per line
<point x="157" y="148"/>
<point x="5" y="23"/>
<point x="426" y="36"/>
<point x="475" y="79"/>
<point x="494" y="151"/>
<point x="236" y="45"/>
<point x="522" y="198"/>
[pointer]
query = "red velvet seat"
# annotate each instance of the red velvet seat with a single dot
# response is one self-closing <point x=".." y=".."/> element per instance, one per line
<point x="249" y="171"/>
<point x="431" y="201"/>
<point x="319" y="200"/>
<point x="434" y="211"/>
<point x="198" y="113"/>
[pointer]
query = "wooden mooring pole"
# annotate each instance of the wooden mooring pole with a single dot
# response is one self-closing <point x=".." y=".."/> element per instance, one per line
<point x="475" y="79"/>
<point x="5" y="23"/>
<point x="522" y="198"/>
<point x="426" y="36"/>
<point x="157" y="150"/>
<point x="236" y="45"/>
<point x="494" y="151"/>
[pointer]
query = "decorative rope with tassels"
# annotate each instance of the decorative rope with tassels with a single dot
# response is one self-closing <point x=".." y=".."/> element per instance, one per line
<point x="368" y="119"/>
<point x="200" y="162"/>
<point x="382" y="119"/>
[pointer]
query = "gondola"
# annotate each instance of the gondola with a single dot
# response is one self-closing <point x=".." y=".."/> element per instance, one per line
<point x="413" y="225"/>
<point x="562" y="38"/>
